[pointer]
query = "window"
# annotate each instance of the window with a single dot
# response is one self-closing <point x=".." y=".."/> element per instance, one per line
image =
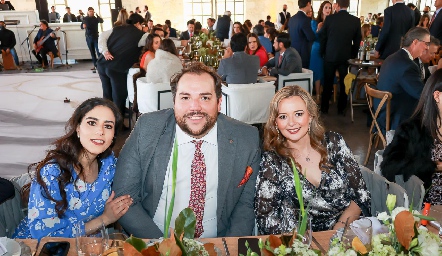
<point x="200" y="10"/>
<point x="101" y="7"/>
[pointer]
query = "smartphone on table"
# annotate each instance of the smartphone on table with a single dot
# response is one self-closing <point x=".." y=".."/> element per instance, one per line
<point x="55" y="249"/>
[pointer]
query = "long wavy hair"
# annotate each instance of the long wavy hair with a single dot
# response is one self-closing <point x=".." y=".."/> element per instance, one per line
<point x="67" y="152"/>
<point x="149" y="44"/>
<point x="122" y="17"/>
<point x="319" y="17"/>
<point x="273" y="141"/>
<point x="427" y="110"/>
<point x="257" y="41"/>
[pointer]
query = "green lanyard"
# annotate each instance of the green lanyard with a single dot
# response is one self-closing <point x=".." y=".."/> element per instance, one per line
<point x="172" y="201"/>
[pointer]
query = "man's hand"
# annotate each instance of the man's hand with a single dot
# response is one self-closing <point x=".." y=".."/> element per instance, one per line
<point x="265" y="71"/>
<point x="8" y="50"/>
<point x="108" y="56"/>
<point x="320" y="24"/>
<point x="376" y="54"/>
<point x="228" y="53"/>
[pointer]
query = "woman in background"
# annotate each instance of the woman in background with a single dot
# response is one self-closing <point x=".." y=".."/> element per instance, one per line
<point x="153" y="42"/>
<point x="121" y="19"/>
<point x="416" y="148"/>
<point x="254" y="47"/>
<point x="316" y="61"/>
<point x="165" y="64"/>
<point x="424" y="22"/>
<point x="332" y="183"/>
<point x="365" y="31"/>
<point x="73" y="182"/>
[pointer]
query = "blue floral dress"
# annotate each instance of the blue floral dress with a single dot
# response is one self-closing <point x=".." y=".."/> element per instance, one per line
<point x="86" y="201"/>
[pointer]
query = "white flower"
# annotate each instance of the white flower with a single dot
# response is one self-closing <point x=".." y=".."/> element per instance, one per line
<point x="429" y="243"/>
<point x="383" y="216"/>
<point x="50" y="222"/>
<point x="396" y="211"/>
<point x="33" y="214"/>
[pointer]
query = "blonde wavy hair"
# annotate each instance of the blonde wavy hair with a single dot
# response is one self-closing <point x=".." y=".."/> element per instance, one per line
<point x="273" y="141"/>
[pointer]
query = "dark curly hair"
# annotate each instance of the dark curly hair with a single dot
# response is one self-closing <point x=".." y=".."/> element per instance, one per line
<point x="67" y="151"/>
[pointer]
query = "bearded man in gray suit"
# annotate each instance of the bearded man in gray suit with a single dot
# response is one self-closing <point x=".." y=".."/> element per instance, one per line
<point x="229" y="157"/>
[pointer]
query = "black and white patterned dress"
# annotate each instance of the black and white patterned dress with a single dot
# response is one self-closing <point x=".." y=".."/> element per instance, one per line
<point x="276" y="197"/>
<point x="434" y="194"/>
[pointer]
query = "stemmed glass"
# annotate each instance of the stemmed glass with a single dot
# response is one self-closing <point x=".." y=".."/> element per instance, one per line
<point x="90" y="243"/>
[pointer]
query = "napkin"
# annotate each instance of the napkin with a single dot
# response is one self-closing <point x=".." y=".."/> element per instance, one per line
<point x="360" y="229"/>
<point x="3" y="247"/>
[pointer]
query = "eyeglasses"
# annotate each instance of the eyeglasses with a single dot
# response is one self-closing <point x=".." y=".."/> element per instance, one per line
<point x="427" y="43"/>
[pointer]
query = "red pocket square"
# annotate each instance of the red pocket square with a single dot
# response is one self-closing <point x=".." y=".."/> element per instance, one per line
<point x="246" y="177"/>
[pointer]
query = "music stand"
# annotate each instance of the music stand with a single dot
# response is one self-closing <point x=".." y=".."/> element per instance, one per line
<point x="29" y="46"/>
<point x="65" y="51"/>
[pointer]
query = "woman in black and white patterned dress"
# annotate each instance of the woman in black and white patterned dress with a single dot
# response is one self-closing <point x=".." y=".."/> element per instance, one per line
<point x="332" y="183"/>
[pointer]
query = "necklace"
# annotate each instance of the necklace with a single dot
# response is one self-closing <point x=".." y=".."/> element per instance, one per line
<point x="307" y="158"/>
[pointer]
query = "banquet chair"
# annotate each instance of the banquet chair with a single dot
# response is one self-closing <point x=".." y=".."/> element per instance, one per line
<point x="378" y="155"/>
<point x="131" y="91"/>
<point x="379" y="188"/>
<point x="11" y="213"/>
<point x="356" y="88"/>
<point x="304" y="79"/>
<point x="415" y="189"/>
<point x="248" y="103"/>
<point x="377" y="134"/>
<point x="153" y="96"/>
<point x="51" y="55"/>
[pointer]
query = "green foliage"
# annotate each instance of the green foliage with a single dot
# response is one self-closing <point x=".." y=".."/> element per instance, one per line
<point x="137" y="243"/>
<point x="172" y="201"/>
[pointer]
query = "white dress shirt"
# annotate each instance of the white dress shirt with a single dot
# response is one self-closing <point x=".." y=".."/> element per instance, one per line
<point x="186" y="151"/>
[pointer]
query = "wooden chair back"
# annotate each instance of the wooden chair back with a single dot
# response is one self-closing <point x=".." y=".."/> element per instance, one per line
<point x="385" y="98"/>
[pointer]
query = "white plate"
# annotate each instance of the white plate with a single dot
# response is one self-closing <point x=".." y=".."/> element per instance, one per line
<point x="12" y="246"/>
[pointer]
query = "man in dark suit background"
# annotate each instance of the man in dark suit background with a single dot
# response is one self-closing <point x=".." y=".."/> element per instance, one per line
<point x="416" y="12"/>
<point x="186" y="35"/>
<point x="238" y="67"/>
<point x="286" y="61"/>
<point x="424" y="60"/>
<point x="268" y="22"/>
<point x="398" y="19"/>
<point x="224" y="26"/>
<point x="340" y="37"/>
<point x="11" y="8"/>
<point x="401" y="76"/>
<point x="230" y="152"/>
<point x="301" y="33"/>
<point x="69" y="17"/>
<point x="172" y="30"/>
<point x="436" y="21"/>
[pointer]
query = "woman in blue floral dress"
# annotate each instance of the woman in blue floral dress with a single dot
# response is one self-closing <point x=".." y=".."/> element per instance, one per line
<point x="72" y="185"/>
<point x="316" y="61"/>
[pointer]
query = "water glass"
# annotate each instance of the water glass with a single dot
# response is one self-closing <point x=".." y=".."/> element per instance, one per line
<point x="91" y="243"/>
<point x="357" y="226"/>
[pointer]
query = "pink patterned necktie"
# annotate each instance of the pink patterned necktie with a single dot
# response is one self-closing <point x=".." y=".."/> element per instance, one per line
<point x="198" y="187"/>
<point x="279" y="60"/>
<point x="432" y="19"/>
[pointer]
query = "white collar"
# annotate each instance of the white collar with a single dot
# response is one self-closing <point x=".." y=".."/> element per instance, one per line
<point x="409" y="54"/>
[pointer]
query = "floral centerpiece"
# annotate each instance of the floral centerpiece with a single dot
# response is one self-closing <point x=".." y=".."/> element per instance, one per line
<point x="294" y="243"/>
<point x="180" y="243"/>
<point x="404" y="236"/>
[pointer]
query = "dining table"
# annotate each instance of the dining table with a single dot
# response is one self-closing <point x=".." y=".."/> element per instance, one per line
<point x="320" y="240"/>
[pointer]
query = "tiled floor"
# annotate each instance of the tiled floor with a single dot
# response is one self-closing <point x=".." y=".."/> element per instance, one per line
<point x="355" y="133"/>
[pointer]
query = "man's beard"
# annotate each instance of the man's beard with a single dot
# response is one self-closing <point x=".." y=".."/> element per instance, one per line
<point x="210" y="122"/>
<point x="284" y="10"/>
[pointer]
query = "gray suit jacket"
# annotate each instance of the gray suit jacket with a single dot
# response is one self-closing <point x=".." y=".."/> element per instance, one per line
<point x="241" y="68"/>
<point x="291" y="63"/>
<point x="143" y="161"/>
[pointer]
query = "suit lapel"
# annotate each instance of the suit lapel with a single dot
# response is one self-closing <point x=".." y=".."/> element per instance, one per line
<point x="161" y="159"/>
<point x="226" y="155"/>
